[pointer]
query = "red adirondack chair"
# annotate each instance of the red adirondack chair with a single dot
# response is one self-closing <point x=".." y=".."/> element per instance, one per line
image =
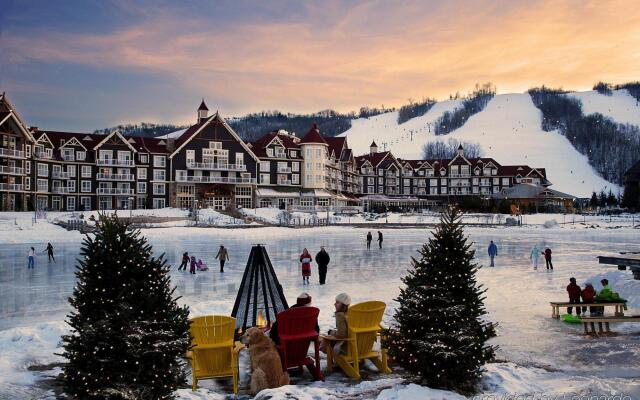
<point x="297" y="330"/>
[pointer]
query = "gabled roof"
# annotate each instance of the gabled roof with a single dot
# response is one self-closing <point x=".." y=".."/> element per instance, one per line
<point x="118" y="134"/>
<point x="203" y="107"/>
<point x="336" y="144"/>
<point x="376" y="158"/>
<point x="44" y="137"/>
<point x="313" y="136"/>
<point x="6" y="107"/>
<point x="373" y="144"/>
<point x="530" y="191"/>
<point x="259" y="146"/>
<point x="73" y="142"/>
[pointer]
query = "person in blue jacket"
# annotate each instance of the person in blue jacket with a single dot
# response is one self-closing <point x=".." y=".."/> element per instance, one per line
<point x="493" y="252"/>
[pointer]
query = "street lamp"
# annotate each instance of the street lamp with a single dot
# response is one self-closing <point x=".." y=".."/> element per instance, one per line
<point x="130" y="207"/>
<point x="195" y="211"/>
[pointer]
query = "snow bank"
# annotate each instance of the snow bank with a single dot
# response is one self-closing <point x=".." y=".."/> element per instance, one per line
<point x="621" y="282"/>
<point x="417" y="392"/>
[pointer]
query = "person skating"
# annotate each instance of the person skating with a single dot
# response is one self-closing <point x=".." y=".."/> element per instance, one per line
<point x="380" y="239"/>
<point x="574" y="295"/>
<point x="223" y="256"/>
<point x="547" y="258"/>
<point x="31" y="258"/>
<point x="185" y="261"/>
<point x="493" y="252"/>
<point x="305" y="260"/>
<point x="192" y="267"/>
<point x="303" y="300"/>
<point x="535" y="256"/>
<point x="49" y="251"/>
<point x="369" y="239"/>
<point x="588" y="296"/>
<point x="322" y="259"/>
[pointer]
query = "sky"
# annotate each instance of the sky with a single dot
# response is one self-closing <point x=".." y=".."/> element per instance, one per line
<point x="85" y="65"/>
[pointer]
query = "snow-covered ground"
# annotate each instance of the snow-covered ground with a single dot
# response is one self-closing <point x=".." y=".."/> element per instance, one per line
<point x="620" y="106"/>
<point x="537" y="354"/>
<point x="509" y="130"/>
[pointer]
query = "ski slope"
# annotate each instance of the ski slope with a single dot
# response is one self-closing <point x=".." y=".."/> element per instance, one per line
<point x="508" y="129"/>
<point x="620" y="106"/>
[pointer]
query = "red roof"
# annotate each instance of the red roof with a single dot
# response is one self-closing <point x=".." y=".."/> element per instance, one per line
<point x="336" y="144"/>
<point x="313" y="136"/>
<point x="374" y="158"/>
<point x="203" y="107"/>
<point x="259" y="146"/>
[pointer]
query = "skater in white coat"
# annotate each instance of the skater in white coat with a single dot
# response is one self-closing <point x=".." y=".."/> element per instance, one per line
<point x="535" y="256"/>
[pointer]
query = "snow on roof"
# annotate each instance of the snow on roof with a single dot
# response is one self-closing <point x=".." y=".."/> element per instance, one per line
<point x="172" y="135"/>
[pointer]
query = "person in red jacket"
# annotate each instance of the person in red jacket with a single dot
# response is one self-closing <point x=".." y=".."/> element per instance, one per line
<point x="574" y="295"/>
<point x="305" y="261"/>
<point x="547" y="258"/>
<point x="588" y="296"/>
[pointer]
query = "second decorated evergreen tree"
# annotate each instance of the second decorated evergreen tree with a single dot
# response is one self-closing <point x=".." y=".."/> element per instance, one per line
<point x="128" y="333"/>
<point x="439" y="332"/>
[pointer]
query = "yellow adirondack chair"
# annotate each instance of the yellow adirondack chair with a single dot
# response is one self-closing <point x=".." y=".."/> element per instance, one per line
<point x="214" y="353"/>
<point x="363" y="321"/>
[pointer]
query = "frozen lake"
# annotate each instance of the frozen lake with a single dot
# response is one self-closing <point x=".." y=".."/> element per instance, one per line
<point x="517" y="296"/>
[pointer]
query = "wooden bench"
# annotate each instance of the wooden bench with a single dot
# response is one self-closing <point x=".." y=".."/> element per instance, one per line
<point x="586" y="321"/>
<point x="556" y="305"/>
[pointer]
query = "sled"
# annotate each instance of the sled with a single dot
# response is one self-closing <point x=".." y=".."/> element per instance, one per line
<point x="297" y="330"/>
<point x="364" y="329"/>
<point x="572" y="319"/>
<point x="214" y="353"/>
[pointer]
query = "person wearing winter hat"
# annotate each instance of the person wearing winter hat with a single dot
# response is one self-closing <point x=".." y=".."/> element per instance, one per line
<point x="343" y="301"/>
<point x="303" y="300"/>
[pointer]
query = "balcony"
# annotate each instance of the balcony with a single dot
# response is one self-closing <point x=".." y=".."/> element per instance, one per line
<point x="115" y="191"/>
<point x="12" y="187"/>
<point x="216" y="166"/>
<point x="485" y="183"/>
<point x="455" y="175"/>
<point x="60" y="175"/>
<point x="9" y="153"/>
<point x="60" y="190"/>
<point x="460" y="184"/>
<point x="284" y="182"/>
<point x="214" y="179"/>
<point x="4" y="170"/>
<point x="68" y="158"/>
<point x="114" y="177"/>
<point x="285" y="170"/>
<point x="43" y="155"/>
<point x="115" y="162"/>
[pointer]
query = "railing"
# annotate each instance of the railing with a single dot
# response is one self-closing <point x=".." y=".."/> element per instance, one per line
<point x="285" y="170"/>
<point x="483" y="183"/>
<point x="466" y="175"/>
<point x="11" y="153"/>
<point x="115" y="177"/>
<point x="284" y="182"/>
<point x="216" y="166"/>
<point x="115" y="161"/>
<point x="60" y="190"/>
<point x="118" y="191"/>
<point x="11" y="186"/>
<point x="464" y="184"/>
<point x="60" y="175"/>
<point x="11" y="170"/>
<point x="68" y="158"/>
<point x="214" y="179"/>
<point x="43" y="155"/>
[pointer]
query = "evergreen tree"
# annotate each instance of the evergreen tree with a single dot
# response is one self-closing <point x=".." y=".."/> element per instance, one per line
<point x="439" y="332"/>
<point x="602" y="199"/>
<point x="611" y="199"/>
<point x="594" y="201"/>
<point x="128" y="333"/>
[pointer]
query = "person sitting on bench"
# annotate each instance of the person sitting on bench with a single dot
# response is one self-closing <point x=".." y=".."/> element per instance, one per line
<point x="588" y="296"/>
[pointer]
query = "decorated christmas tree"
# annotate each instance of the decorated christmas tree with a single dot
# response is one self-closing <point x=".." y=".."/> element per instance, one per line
<point x="128" y="333"/>
<point x="439" y="331"/>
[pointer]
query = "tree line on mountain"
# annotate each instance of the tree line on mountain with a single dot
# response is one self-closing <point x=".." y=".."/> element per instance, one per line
<point x="473" y="104"/>
<point x="611" y="148"/>
<point x="413" y="110"/>
<point x="607" y="89"/>
<point x="439" y="150"/>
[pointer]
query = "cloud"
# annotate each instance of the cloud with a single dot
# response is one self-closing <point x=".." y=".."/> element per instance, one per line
<point x="345" y="55"/>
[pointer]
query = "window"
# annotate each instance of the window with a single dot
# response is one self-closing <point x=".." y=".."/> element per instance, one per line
<point x="85" y="203"/>
<point x="142" y="173"/>
<point x="294" y="153"/>
<point x="318" y="153"/>
<point x="28" y="151"/>
<point x="407" y="182"/>
<point x="81" y="155"/>
<point x="55" y="203"/>
<point x="43" y="185"/>
<point x="140" y="203"/>
<point x="494" y="171"/>
<point x="269" y="152"/>
<point x="295" y="179"/>
<point x="124" y="155"/>
<point x="319" y="166"/>
<point x="27" y="183"/>
<point x="464" y="169"/>
<point x="28" y="169"/>
<point x="191" y="156"/>
<point x="443" y="190"/>
<point x="43" y="169"/>
<point x="380" y="189"/>
<point x="55" y="171"/>
<point x="215" y="145"/>
<point x="106" y="154"/>
<point x="86" y="171"/>
<point x="144" y="158"/>
<point x="71" y="185"/>
<point x="265" y="165"/>
<point x="159" y="161"/>
<point x="505" y="181"/>
<point x="443" y="182"/>
<point x="159" y="175"/>
<point x="265" y="179"/>
<point x="158" y="188"/>
<point x="85" y="186"/>
<point x="158" y="203"/>
<point x="67" y="154"/>
<point x="295" y="166"/>
<point x="142" y="187"/>
<point x="309" y="153"/>
<point x="243" y="191"/>
<point x="71" y="169"/>
<point x="433" y="190"/>
<point x="433" y="182"/>
<point x="71" y="203"/>
<point x="370" y="189"/>
<point x="48" y="152"/>
<point x="240" y="158"/>
<point x="280" y="152"/>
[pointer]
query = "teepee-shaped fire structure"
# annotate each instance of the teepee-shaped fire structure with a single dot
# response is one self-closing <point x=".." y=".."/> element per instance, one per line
<point x="260" y="297"/>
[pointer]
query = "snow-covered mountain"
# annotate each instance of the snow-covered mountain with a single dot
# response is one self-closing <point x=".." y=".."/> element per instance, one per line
<point x="509" y="130"/>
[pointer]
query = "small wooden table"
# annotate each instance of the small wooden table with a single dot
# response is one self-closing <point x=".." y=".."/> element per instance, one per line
<point x="556" y="305"/>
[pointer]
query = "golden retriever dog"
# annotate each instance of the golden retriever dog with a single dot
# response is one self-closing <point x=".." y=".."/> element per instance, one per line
<point x="265" y="362"/>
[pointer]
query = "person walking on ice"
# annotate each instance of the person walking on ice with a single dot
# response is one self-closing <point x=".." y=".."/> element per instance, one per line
<point x="369" y="239"/>
<point x="322" y="259"/>
<point x="31" y="258"/>
<point x="380" y="239"/>
<point x="535" y="256"/>
<point x="493" y="252"/>
<point x="547" y="258"/>
<point x="49" y="251"/>
<point x="223" y="256"/>
<point x="305" y="261"/>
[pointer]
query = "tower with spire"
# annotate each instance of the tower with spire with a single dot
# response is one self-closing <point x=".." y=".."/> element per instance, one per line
<point x="203" y="112"/>
<point x="373" y="148"/>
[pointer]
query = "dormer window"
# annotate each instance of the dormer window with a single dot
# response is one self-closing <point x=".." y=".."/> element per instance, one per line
<point x="443" y="171"/>
<point x="294" y="153"/>
<point x="269" y="152"/>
